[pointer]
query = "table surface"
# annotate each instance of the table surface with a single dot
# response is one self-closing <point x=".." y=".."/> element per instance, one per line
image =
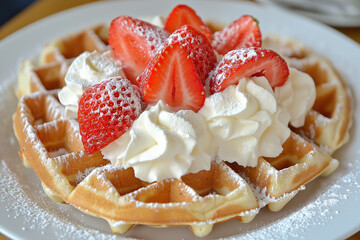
<point x="43" y="8"/>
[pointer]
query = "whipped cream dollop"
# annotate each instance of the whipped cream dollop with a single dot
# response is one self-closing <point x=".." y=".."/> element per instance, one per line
<point x="297" y="96"/>
<point x="246" y="122"/>
<point x="163" y="144"/>
<point x="86" y="70"/>
<point x="156" y="20"/>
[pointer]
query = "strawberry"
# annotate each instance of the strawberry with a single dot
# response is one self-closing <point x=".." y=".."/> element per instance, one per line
<point x="106" y="111"/>
<point x="198" y="47"/>
<point x="244" y="32"/>
<point x="171" y="76"/>
<point x="135" y="43"/>
<point x="184" y="15"/>
<point x="247" y="62"/>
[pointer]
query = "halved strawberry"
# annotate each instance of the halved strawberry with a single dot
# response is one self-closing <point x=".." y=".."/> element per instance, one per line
<point x="242" y="33"/>
<point x="171" y="76"/>
<point x="135" y="43"/>
<point x="106" y="111"/>
<point x="198" y="47"/>
<point x="185" y="15"/>
<point x="247" y="62"/>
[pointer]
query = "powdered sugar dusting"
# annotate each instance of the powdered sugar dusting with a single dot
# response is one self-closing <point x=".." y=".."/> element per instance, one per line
<point x="232" y="174"/>
<point x="155" y="36"/>
<point x="122" y="90"/>
<point x="38" y="213"/>
<point x="80" y="176"/>
<point x="231" y="60"/>
<point x="320" y="212"/>
<point x="235" y="31"/>
<point x="58" y="152"/>
<point x="113" y="105"/>
<point x="199" y="49"/>
<point x="27" y="117"/>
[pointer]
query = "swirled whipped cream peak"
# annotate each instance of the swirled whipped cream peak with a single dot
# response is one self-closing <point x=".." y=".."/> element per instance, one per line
<point x="297" y="96"/>
<point x="86" y="70"/>
<point x="246" y="122"/>
<point x="163" y="144"/>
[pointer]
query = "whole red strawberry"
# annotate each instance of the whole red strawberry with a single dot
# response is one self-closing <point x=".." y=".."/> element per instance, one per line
<point x="247" y="62"/>
<point x="242" y="33"/>
<point x="106" y="111"/>
<point x="134" y="43"/>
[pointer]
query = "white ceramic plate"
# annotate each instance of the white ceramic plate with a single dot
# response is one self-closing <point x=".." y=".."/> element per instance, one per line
<point x="328" y="208"/>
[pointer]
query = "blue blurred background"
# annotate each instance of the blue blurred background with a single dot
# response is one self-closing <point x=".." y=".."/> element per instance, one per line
<point x="9" y="8"/>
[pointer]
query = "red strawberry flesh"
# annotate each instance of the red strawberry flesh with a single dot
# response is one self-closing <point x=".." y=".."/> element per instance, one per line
<point x="185" y="15"/>
<point x="106" y="111"/>
<point x="242" y="33"/>
<point x="247" y="62"/>
<point x="171" y="77"/>
<point x="198" y="48"/>
<point x="134" y="43"/>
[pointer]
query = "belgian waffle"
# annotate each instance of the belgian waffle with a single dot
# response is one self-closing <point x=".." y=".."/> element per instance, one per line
<point x="51" y="145"/>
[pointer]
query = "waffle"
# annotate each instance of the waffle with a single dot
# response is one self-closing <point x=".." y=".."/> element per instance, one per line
<point x="50" y="143"/>
<point x="328" y="122"/>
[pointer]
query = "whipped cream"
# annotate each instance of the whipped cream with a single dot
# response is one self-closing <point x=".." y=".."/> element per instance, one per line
<point x="157" y="21"/>
<point x="163" y="144"/>
<point x="246" y="122"/>
<point x="85" y="71"/>
<point x="297" y="96"/>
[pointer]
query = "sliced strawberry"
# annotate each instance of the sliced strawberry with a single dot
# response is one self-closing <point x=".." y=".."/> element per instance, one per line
<point x="171" y="76"/>
<point x="106" y="111"/>
<point x="184" y="15"/>
<point x="242" y="33"/>
<point x="198" y="47"/>
<point x="247" y="62"/>
<point x="135" y="43"/>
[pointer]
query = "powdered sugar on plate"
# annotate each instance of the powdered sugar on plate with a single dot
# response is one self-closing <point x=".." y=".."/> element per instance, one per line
<point x="317" y="213"/>
<point x="38" y="213"/>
